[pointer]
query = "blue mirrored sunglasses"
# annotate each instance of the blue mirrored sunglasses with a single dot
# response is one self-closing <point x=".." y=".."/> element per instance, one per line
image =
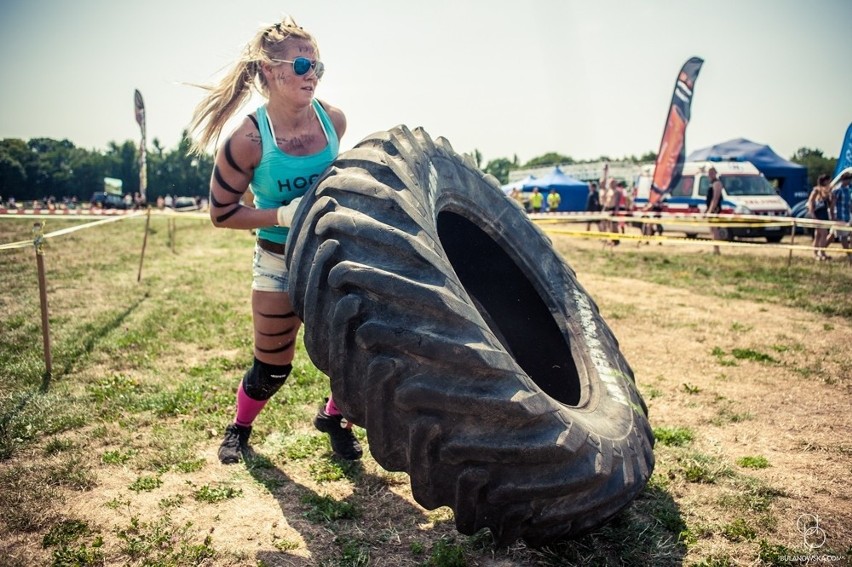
<point x="303" y="65"/>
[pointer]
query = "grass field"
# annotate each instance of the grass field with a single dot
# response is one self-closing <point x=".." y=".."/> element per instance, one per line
<point x="111" y="460"/>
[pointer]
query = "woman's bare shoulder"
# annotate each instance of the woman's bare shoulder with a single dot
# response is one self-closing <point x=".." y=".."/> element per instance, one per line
<point x="337" y="117"/>
<point x="243" y="144"/>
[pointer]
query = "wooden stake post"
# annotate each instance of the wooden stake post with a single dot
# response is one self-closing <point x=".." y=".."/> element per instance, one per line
<point x="144" y="244"/>
<point x="38" y="242"/>
<point x="792" y="243"/>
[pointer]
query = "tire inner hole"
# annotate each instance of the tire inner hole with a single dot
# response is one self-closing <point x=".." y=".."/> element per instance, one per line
<point x="511" y="306"/>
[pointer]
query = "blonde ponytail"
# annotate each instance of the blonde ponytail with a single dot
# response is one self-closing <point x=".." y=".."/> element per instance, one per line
<point x="233" y="91"/>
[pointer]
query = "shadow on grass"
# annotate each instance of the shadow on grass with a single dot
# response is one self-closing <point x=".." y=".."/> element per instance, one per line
<point x="646" y="533"/>
<point x="367" y="527"/>
<point x="83" y="345"/>
<point x="374" y="525"/>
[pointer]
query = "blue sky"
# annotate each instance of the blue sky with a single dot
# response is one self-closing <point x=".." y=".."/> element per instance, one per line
<point x="582" y="78"/>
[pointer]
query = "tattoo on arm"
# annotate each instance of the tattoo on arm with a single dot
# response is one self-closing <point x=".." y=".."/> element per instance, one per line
<point x="222" y="183"/>
<point x="218" y="204"/>
<point x="225" y="216"/>
<point x="230" y="157"/>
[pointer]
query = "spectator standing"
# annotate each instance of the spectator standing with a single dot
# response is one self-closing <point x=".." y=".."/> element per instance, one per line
<point x="518" y="197"/>
<point x="553" y="200"/>
<point x="714" y="203"/>
<point x="625" y="203"/>
<point x="611" y="207"/>
<point x="841" y="196"/>
<point x="821" y="208"/>
<point x="536" y="200"/>
<point x="593" y="203"/>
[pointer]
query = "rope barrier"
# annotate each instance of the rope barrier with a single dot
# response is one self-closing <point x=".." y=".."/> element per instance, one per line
<point x="64" y="231"/>
<point x="692" y="219"/>
<point x="663" y="218"/>
<point x="39" y="240"/>
<point x="100" y="220"/>
<point x="686" y="241"/>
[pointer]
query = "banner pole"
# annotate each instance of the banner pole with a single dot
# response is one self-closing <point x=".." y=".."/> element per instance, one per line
<point x="668" y="167"/>
<point x="139" y="105"/>
<point x="144" y="244"/>
<point x="38" y="241"/>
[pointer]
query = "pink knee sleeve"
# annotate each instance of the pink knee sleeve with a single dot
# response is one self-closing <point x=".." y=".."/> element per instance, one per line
<point x="331" y="408"/>
<point x="247" y="408"/>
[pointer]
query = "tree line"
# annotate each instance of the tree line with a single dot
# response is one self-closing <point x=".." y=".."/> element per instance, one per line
<point x="501" y="167"/>
<point x="43" y="167"/>
<point x="816" y="162"/>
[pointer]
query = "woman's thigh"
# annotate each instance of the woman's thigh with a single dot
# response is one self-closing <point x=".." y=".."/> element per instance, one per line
<point x="275" y="326"/>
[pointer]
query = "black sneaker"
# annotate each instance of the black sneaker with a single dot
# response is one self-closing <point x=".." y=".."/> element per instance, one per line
<point x="343" y="441"/>
<point x="235" y="444"/>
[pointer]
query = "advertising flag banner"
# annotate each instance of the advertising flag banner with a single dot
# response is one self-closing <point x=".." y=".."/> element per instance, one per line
<point x="672" y="154"/>
<point x="113" y="186"/>
<point x="844" y="159"/>
<point x="143" y="158"/>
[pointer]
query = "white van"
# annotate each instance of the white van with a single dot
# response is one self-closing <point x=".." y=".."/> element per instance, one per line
<point x="746" y="192"/>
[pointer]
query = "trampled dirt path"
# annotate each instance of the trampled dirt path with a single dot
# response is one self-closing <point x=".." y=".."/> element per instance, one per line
<point x="794" y="409"/>
<point x="748" y="379"/>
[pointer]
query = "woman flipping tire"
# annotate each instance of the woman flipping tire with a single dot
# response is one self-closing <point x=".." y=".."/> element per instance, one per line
<point x="455" y="334"/>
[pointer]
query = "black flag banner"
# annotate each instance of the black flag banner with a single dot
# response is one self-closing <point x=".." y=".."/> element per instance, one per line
<point x="143" y="158"/>
<point x="672" y="154"/>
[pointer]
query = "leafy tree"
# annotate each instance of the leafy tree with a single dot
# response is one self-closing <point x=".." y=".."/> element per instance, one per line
<point x="12" y="175"/>
<point x="122" y="162"/>
<point x="500" y="169"/>
<point x="50" y="172"/>
<point x="550" y="158"/>
<point x="88" y="173"/>
<point x="179" y="173"/>
<point x="15" y="155"/>
<point x="44" y="167"/>
<point x="647" y="157"/>
<point x="816" y="163"/>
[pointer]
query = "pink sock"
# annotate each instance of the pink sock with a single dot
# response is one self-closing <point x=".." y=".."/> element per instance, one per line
<point x="247" y="408"/>
<point x="331" y="408"/>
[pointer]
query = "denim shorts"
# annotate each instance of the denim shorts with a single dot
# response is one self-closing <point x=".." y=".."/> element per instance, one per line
<point x="269" y="271"/>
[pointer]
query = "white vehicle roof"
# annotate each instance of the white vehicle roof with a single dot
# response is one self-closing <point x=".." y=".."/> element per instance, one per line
<point x="722" y="168"/>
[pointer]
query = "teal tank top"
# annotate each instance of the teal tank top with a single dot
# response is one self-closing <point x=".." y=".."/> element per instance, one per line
<point x="279" y="177"/>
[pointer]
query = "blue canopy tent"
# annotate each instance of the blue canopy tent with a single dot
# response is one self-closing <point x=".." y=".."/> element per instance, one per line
<point x="791" y="178"/>
<point x="573" y="192"/>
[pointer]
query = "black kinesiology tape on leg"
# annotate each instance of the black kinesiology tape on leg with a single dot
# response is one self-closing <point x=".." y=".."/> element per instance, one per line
<point x="262" y="380"/>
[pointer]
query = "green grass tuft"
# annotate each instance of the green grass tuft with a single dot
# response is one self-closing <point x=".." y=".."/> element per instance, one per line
<point x="216" y="494"/>
<point x="756" y="462"/>
<point x="325" y="509"/>
<point x="673" y="436"/>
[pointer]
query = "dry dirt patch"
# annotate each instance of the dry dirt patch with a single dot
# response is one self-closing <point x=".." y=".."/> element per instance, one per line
<point x="793" y="410"/>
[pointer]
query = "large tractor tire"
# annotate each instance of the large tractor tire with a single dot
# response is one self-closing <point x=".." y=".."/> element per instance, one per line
<point x="455" y="334"/>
